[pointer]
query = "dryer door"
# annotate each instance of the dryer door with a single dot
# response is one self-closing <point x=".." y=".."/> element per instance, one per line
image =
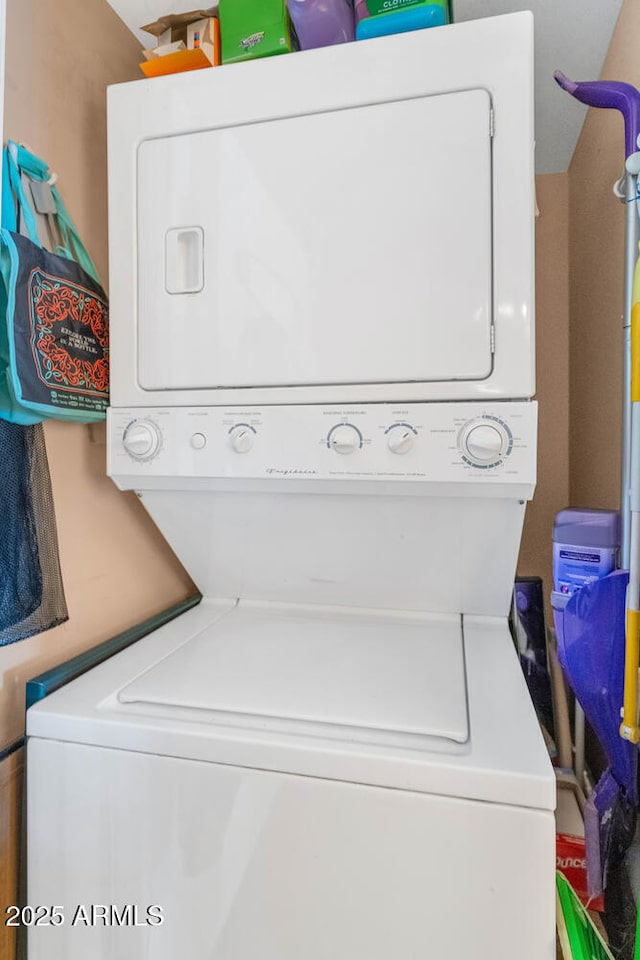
<point x="346" y="247"/>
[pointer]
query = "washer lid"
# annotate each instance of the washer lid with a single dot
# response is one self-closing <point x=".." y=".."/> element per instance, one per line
<point x="382" y="674"/>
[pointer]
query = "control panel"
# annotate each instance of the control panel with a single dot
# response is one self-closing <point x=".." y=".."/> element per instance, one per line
<point x="422" y="441"/>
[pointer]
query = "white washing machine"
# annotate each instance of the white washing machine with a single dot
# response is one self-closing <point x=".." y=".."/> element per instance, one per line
<point x="322" y="327"/>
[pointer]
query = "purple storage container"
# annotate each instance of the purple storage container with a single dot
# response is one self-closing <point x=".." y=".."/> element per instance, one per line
<point x="321" y="23"/>
<point x="585" y="548"/>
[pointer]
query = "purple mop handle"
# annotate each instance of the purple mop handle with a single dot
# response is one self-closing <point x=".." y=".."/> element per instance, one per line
<point x="613" y="96"/>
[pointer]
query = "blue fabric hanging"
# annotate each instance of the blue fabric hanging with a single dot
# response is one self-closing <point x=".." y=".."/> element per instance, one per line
<point x="21" y="582"/>
<point x="31" y="591"/>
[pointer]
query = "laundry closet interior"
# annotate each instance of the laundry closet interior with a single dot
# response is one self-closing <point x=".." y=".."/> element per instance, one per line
<point x="338" y="429"/>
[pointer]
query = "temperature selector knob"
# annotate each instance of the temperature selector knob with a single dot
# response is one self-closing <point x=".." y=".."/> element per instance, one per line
<point x="485" y="442"/>
<point x="241" y="437"/>
<point x="400" y="438"/>
<point x="142" y="439"/>
<point x="344" y="438"/>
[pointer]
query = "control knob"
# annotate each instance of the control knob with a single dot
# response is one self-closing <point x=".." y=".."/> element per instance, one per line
<point x="241" y="438"/>
<point x="345" y="438"/>
<point x="142" y="439"/>
<point x="400" y="438"/>
<point x="485" y="442"/>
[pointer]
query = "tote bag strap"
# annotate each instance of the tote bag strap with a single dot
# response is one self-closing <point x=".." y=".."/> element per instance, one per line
<point x="18" y="160"/>
<point x="14" y="197"/>
<point x="71" y="238"/>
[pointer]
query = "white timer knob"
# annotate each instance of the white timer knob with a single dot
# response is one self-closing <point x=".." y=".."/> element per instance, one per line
<point x="241" y="438"/>
<point x="344" y="439"/>
<point x="400" y="439"/>
<point x="142" y="439"/>
<point x="484" y="443"/>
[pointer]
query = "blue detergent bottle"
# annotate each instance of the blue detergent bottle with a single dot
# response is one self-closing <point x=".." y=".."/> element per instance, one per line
<point x="399" y="16"/>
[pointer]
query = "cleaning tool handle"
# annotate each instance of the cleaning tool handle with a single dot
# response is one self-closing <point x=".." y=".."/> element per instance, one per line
<point x="635" y="353"/>
<point x="635" y="336"/>
<point x="629" y="729"/>
<point x="629" y="726"/>
<point x="612" y="95"/>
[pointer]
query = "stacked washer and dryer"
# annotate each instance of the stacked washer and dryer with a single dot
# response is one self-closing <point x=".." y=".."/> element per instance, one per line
<point x="322" y="365"/>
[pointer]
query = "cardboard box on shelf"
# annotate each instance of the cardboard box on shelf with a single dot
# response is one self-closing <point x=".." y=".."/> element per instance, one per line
<point x="185" y="41"/>
<point x="163" y="50"/>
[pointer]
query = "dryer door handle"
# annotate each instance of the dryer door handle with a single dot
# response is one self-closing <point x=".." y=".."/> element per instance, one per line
<point x="184" y="260"/>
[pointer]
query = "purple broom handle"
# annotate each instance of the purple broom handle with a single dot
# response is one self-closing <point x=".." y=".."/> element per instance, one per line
<point x="613" y="96"/>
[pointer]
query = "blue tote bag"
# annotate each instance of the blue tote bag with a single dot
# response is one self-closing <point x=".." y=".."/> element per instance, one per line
<point x="54" y="331"/>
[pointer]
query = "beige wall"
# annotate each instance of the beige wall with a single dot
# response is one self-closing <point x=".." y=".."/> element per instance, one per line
<point x="597" y="278"/>
<point x="552" y="375"/>
<point x="117" y="569"/>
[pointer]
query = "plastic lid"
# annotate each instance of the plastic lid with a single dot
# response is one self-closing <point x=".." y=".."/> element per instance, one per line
<point x="559" y="600"/>
<point x="400" y="674"/>
<point x="587" y="528"/>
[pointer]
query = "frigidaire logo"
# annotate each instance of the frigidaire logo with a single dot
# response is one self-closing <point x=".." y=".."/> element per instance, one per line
<point x="286" y="472"/>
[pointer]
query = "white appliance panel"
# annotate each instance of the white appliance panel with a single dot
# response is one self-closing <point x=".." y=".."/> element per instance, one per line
<point x="415" y="266"/>
<point x="438" y="554"/>
<point x="460" y="447"/>
<point x="248" y="863"/>
<point x="383" y="674"/>
<point x="322" y="249"/>
<point x="429" y="527"/>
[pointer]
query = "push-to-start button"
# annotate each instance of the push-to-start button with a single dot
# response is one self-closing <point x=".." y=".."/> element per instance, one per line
<point x="198" y="441"/>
